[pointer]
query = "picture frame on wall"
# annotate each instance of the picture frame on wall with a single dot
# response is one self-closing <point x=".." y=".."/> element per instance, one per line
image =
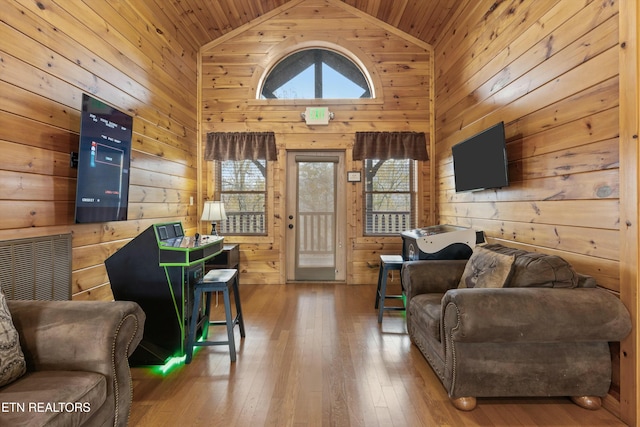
<point x="354" y="176"/>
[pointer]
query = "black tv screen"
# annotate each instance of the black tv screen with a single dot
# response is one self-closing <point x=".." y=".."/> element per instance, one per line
<point x="104" y="155"/>
<point x="480" y="162"/>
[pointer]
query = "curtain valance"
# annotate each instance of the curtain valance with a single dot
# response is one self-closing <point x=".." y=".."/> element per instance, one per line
<point x="240" y="146"/>
<point x="390" y="145"/>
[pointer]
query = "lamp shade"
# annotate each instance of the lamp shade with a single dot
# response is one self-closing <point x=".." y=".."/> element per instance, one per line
<point x="213" y="211"/>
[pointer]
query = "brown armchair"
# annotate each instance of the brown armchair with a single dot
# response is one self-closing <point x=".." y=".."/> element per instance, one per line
<point x="545" y="331"/>
<point x="76" y="354"/>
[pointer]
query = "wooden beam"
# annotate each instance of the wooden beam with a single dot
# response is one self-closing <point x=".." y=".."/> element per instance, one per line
<point x="629" y="230"/>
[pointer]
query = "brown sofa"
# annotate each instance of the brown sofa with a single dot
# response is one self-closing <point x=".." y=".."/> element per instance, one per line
<point x="76" y="355"/>
<point x="517" y="324"/>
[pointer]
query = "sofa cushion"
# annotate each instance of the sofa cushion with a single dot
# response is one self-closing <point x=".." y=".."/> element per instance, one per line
<point x="425" y="310"/>
<point x="53" y="398"/>
<point x="12" y="363"/>
<point x="534" y="269"/>
<point x="486" y="269"/>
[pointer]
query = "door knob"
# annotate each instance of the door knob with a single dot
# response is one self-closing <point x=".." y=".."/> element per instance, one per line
<point x="290" y="226"/>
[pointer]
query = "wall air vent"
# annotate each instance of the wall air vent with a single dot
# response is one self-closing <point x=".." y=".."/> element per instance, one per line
<point x="37" y="268"/>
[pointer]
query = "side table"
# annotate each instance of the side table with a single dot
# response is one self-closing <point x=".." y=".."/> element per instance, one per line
<point x="387" y="263"/>
<point x="228" y="258"/>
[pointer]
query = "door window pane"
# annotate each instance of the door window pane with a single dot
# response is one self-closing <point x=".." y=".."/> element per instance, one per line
<point x="316" y="213"/>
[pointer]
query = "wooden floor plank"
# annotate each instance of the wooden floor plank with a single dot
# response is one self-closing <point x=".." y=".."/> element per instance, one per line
<point x="315" y="355"/>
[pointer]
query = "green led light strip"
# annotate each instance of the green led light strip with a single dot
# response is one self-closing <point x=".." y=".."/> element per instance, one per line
<point x="174" y="362"/>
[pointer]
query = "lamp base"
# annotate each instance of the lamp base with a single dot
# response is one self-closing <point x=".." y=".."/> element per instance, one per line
<point x="214" y="232"/>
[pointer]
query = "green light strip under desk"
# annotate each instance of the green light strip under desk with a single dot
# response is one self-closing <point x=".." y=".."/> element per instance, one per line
<point x="173" y="362"/>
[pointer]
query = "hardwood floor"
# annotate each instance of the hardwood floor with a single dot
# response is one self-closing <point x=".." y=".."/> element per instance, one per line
<point x="315" y="355"/>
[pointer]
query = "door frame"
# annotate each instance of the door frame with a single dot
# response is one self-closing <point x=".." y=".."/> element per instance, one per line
<point x="290" y="210"/>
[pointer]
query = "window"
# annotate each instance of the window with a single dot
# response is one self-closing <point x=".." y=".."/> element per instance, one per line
<point x="390" y="164"/>
<point x="389" y="196"/>
<point x="242" y="185"/>
<point x="316" y="74"/>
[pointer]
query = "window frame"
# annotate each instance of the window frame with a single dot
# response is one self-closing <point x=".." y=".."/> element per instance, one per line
<point x="343" y="47"/>
<point x="218" y="165"/>
<point x="413" y="200"/>
<point x="319" y="58"/>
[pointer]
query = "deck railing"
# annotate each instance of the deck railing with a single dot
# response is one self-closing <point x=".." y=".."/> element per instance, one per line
<point x="316" y="232"/>
<point x="381" y="222"/>
<point x="316" y="229"/>
<point x="243" y="223"/>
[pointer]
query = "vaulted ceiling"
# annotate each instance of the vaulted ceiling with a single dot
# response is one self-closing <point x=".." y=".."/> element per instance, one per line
<point x="202" y="21"/>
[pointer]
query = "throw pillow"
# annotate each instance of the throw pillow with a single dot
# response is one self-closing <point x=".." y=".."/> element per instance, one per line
<point x="486" y="269"/>
<point x="535" y="269"/>
<point x="12" y="363"/>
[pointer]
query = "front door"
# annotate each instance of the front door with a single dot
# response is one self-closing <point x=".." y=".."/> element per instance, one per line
<point x="315" y="216"/>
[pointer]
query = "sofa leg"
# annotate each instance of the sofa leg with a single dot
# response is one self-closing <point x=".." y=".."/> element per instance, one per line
<point x="464" y="403"/>
<point x="587" y="402"/>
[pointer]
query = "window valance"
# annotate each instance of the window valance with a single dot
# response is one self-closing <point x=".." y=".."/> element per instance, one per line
<point x="240" y="146"/>
<point x="390" y="145"/>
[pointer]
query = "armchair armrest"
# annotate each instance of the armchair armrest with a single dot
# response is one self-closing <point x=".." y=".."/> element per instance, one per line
<point x="431" y="276"/>
<point x="94" y="336"/>
<point x="76" y="335"/>
<point x="534" y="315"/>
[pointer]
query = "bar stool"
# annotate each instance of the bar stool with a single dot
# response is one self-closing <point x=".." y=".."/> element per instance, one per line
<point x="387" y="263"/>
<point x="220" y="280"/>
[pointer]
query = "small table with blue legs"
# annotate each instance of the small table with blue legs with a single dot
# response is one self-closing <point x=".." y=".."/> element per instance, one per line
<point x="387" y="263"/>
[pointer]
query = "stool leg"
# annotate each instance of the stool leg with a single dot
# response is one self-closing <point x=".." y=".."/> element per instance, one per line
<point x="230" y="323"/>
<point x="236" y="295"/>
<point x="207" y="316"/>
<point x="379" y="283"/>
<point x="383" y="292"/>
<point x="191" y="332"/>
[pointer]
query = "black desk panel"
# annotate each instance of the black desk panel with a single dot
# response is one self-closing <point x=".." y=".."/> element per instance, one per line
<point x="157" y="269"/>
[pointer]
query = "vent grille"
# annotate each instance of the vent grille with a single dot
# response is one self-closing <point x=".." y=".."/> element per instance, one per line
<point x="37" y="268"/>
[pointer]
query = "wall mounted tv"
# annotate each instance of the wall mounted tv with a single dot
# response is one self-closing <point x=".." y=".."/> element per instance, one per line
<point x="480" y="162"/>
<point x="104" y="155"/>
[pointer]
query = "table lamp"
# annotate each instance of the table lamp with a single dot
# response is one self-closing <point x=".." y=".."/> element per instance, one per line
<point x="213" y="211"/>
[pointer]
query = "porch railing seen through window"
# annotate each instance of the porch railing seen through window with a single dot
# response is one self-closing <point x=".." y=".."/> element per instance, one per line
<point x="379" y="222"/>
<point x="243" y="223"/>
<point x="254" y="222"/>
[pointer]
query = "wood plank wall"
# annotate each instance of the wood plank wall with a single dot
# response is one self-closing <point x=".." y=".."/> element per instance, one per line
<point x="549" y="70"/>
<point x="231" y="70"/>
<point x="50" y="53"/>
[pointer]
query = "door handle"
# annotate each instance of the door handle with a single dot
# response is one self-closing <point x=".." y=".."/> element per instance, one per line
<point x="290" y="226"/>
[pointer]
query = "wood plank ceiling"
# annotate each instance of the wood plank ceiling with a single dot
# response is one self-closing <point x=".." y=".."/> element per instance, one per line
<point x="202" y="21"/>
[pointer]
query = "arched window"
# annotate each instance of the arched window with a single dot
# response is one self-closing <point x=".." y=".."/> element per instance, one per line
<point x="316" y="74"/>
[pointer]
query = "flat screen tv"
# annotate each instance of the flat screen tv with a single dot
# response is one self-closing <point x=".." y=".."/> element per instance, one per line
<point x="104" y="155"/>
<point x="480" y="162"/>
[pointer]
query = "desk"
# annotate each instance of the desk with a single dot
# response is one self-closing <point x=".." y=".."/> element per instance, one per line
<point x="158" y="269"/>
